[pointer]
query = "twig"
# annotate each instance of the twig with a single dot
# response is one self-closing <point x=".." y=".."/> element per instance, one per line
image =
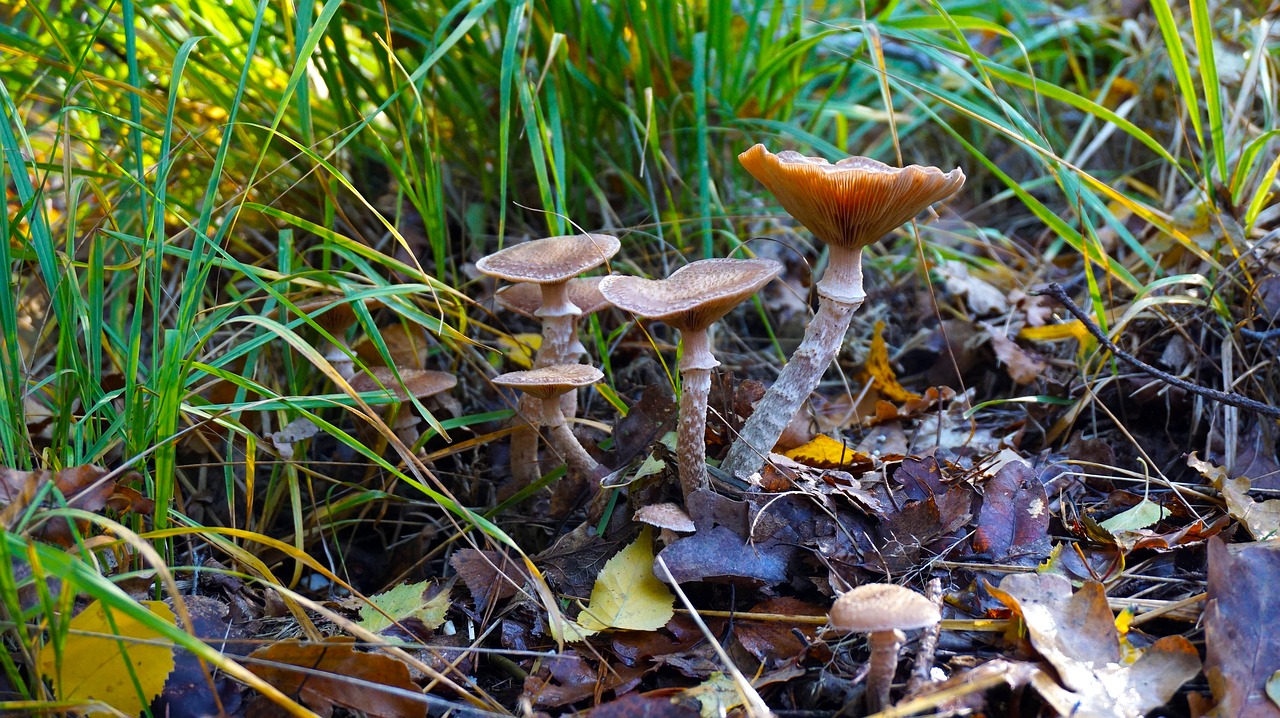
<point x="1056" y="291"/>
<point x="922" y="669"/>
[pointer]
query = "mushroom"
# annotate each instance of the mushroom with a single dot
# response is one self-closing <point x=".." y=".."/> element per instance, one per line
<point x="334" y="315"/>
<point x="692" y="299"/>
<point x="848" y="205"/>
<point x="411" y="383"/>
<point x="883" y="611"/>
<point x="547" y="384"/>
<point x="550" y="263"/>
<point x="525" y="299"/>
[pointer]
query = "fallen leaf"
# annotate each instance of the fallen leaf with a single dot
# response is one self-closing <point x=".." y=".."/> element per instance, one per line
<point x="878" y="371"/>
<point x="406" y="602"/>
<point x="571" y="679"/>
<point x="1022" y="366"/>
<point x="1077" y="634"/>
<point x="716" y="696"/>
<point x="189" y="691"/>
<point x="105" y="653"/>
<point x="638" y="705"/>
<point x="774" y="642"/>
<point x="825" y="452"/>
<point x="721" y="555"/>
<point x="627" y="595"/>
<point x="325" y="675"/>
<point x="1142" y="515"/>
<point x="84" y="487"/>
<point x="1261" y="518"/>
<point x="1242" y="644"/>
<point x="520" y="348"/>
<point x="981" y="296"/>
<point x="490" y="576"/>
<point x="1013" y="523"/>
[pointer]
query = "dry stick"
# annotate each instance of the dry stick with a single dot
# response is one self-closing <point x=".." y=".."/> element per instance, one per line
<point x="922" y="669"/>
<point x="1056" y="291"/>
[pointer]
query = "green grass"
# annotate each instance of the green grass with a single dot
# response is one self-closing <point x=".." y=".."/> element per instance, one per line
<point x="181" y="176"/>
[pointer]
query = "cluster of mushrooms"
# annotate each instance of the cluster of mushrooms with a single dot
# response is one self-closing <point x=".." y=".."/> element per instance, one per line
<point x="847" y="205"/>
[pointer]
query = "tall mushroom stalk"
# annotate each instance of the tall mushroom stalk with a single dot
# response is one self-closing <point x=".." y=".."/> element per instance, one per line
<point x="848" y="205"/>
<point x="692" y="299"/>
<point x="550" y="263"/>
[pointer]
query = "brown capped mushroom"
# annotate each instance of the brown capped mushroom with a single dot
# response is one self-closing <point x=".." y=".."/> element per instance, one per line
<point x="334" y="315"/>
<point x="882" y="611"/>
<point x="547" y="384"/>
<point x="848" y="205"/>
<point x="525" y="299"/>
<point x="415" y="383"/>
<point x="549" y="263"/>
<point x="693" y="298"/>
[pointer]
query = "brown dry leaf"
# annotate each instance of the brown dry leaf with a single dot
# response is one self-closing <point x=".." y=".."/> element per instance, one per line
<point x="1261" y="518"/>
<point x="824" y="452"/>
<point x="325" y="675"/>
<point x="490" y="576"/>
<point x="775" y="642"/>
<point x="1242" y="645"/>
<point x="571" y="679"/>
<point x="1023" y="366"/>
<point x="1013" y="522"/>
<point x="84" y="487"/>
<point x="1076" y="633"/>
<point x="982" y="297"/>
<point x="878" y="371"/>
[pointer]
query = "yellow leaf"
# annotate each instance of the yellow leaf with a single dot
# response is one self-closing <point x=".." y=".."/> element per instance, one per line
<point x="404" y="602"/>
<point x="1073" y="329"/>
<point x="94" y="667"/>
<point x="825" y="452"/>
<point x="519" y="348"/>
<point x="880" y="374"/>
<point x="627" y="595"/>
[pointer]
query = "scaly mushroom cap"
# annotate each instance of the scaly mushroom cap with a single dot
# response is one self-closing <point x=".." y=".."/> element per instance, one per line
<point x="419" y="383"/>
<point x="853" y="202"/>
<point x="551" y="260"/>
<point x="696" y="295"/>
<point x="549" y="382"/>
<point x="875" y="607"/>
<point x="525" y="298"/>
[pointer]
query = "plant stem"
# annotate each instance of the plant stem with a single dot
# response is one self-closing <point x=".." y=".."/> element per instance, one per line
<point x="822" y="341"/>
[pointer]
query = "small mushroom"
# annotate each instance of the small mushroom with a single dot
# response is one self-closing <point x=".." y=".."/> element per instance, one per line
<point x="547" y="384"/>
<point x="549" y="263"/>
<point x="525" y="299"/>
<point x="848" y="205"/>
<point x="334" y="315"/>
<point x="882" y="611"/>
<point x="415" y="383"/>
<point x="693" y="298"/>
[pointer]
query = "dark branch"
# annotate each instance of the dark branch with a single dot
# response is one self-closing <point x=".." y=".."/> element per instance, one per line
<point x="1056" y="291"/>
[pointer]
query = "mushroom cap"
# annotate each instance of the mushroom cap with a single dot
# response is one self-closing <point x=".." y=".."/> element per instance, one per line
<point x="696" y="295"/>
<point x="853" y="202"/>
<point x="548" y="382"/>
<point x="331" y="311"/>
<point x="418" y="383"/>
<point x="551" y="260"/>
<point x="525" y="298"/>
<point x="665" y="516"/>
<point x="876" y="607"/>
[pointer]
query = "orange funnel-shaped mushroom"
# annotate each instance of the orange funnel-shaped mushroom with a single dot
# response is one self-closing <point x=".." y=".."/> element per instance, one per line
<point x="847" y="205"/>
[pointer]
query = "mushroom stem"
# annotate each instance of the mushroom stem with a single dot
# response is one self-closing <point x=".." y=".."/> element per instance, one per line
<point x="884" y="647"/>
<point x="822" y="340"/>
<point x="337" y="356"/>
<point x="524" y="443"/>
<point x="558" y="316"/>
<point x="562" y="439"/>
<point x="696" y="364"/>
